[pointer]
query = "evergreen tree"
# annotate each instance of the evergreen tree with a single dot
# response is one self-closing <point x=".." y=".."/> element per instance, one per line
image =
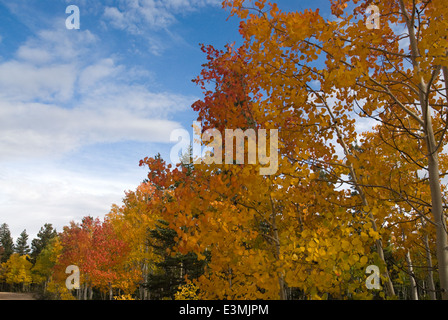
<point x="22" y="246"/>
<point x="44" y="236"/>
<point x="171" y="270"/>
<point x="6" y="243"/>
<point x="187" y="160"/>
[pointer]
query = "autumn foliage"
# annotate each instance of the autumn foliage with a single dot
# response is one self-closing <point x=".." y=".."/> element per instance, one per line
<point x="361" y="115"/>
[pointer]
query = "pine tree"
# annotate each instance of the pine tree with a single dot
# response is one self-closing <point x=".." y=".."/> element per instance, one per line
<point x="172" y="270"/>
<point x="187" y="160"/>
<point x="6" y="243"/>
<point x="44" y="237"/>
<point x="22" y="246"/>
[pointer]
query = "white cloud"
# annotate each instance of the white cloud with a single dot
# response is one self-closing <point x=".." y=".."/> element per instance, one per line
<point x="64" y="100"/>
<point x="34" y="55"/>
<point x="46" y="66"/>
<point x="49" y="194"/>
<point x="91" y="75"/>
<point x="23" y="81"/>
<point x="59" y="93"/>
<point x="135" y="16"/>
<point x="116" y="17"/>
<point x="151" y="19"/>
<point x="44" y="130"/>
<point x="59" y="45"/>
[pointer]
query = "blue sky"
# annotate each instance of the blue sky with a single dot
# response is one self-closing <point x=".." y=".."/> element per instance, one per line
<point x="80" y="108"/>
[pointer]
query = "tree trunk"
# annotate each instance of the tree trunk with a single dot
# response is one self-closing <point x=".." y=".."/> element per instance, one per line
<point x="144" y="294"/>
<point x="145" y="290"/>
<point x="354" y="177"/>
<point x="281" y="279"/>
<point x="433" y="159"/>
<point x="85" y="292"/>
<point x="78" y="294"/>
<point x="431" y="286"/>
<point x="414" y="292"/>
<point x="90" y="293"/>
<point x="111" y="297"/>
<point x="439" y="220"/>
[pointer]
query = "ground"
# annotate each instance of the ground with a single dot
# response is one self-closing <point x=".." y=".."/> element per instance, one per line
<point x="16" y="296"/>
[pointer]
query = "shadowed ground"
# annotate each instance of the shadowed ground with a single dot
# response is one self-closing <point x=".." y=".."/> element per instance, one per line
<point x="16" y="296"/>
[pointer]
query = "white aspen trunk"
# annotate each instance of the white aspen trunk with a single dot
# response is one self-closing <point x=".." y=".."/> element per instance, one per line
<point x="431" y="286"/>
<point x="433" y="160"/>
<point x="414" y="292"/>
<point x="354" y="177"/>
<point x="145" y="290"/>
<point x="281" y="279"/>
<point x="144" y="294"/>
<point x="85" y="291"/>
<point x="439" y="220"/>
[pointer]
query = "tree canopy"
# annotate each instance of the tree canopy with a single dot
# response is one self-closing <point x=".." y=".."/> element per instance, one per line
<point x="359" y="115"/>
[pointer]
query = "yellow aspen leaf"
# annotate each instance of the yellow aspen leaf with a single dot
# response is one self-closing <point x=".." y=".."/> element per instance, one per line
<point x="345" y="244"/>
<point x="364" y="236"/>
<point x="363" y="260"/>
<point x="374" y="234"/>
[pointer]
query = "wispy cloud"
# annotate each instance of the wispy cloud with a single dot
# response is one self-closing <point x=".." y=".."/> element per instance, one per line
<point x="62" y="92"/>
<point x="55" y="96"/>
<point x="151" y="19"/>
<point x="50" y="194"/>
<point x="138" y="16"/>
